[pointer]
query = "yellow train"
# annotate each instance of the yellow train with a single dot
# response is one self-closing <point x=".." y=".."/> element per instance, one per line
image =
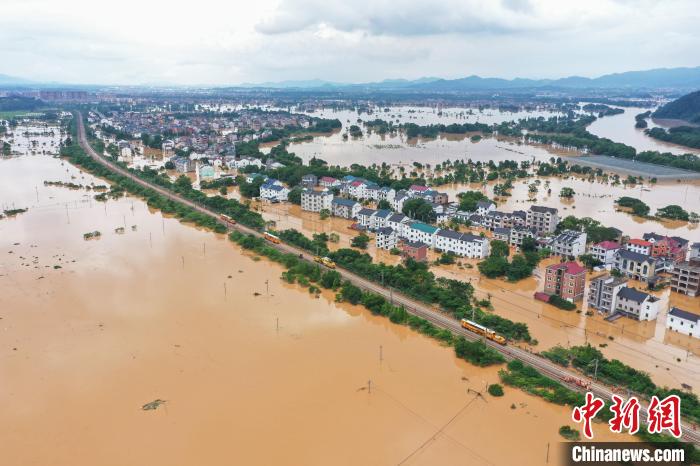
<point x="484" y="331"/>
<point x="271" y="238"/>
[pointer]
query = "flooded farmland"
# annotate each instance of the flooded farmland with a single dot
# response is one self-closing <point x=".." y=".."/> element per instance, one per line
<point x="93" y="332"/>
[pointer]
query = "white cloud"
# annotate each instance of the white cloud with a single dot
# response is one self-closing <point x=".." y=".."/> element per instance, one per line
<point x="214" y="42"/>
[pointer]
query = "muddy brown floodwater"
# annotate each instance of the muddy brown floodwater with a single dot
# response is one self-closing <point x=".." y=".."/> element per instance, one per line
<point x="167" y="312"/>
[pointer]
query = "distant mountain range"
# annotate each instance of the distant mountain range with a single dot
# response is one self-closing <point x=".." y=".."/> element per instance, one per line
<point x="685" y="108"/>
<point x="6" y="80"/>
<point x="662" y="78"/>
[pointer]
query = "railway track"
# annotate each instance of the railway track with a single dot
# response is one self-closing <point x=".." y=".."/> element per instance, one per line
<point x="434" y="316"/>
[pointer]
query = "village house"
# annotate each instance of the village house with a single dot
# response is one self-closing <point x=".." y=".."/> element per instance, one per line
<point x="684" y="322"/>
<point x="569" y="243"/>
<point x="419" y="231"/>
<point x="309" y="181"/>
<point x="316" y="201"/>
<point x="345" y="208"/>
<point x="639" y="246"/>
<point x="543" y="219"/>
<point x="396" y="222"/>
<point x="602" y="293"/>
<point x="566" y="280"/>
<point x="636" y="304"/>
<point x="484" y="207"/>
<point x="634" y="265"/>
<point x="518" y="234"/>
<point x="386" y="238"/>
<point x="462" y="244"/>
<point x="604" y="251"/>
<point x="414" y="250"/>
<point x="685" y="278"/>
<point x="274" y="191"/>
<point x="328" y="182"/>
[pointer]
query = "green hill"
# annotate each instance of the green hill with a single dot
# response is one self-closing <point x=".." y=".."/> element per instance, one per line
<point x="685" y="108"/>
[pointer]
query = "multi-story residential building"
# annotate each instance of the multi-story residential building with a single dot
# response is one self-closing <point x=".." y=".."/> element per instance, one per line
<point x="399" y="199"/>
<point x="328" y="182"/>
<point x="273" y="191"/>
<point x="419" y="231"/>
<point x="566" y="280"/>
<point x="694" y="252"/>
<point x="484" y="207"/>
<point x="569" y="243"/>
<point x="386" y="194"/>
<point x="386" y="238"/>
<point x="397" y="222"/>
<point x="634" y="265"/>
<point x="414" y="250"/>
<point x="604" y="251"/>
<point x="681" y="321"/>
<point x="519" y="233"/>
<point x="543" y="219"/>
<point x="494" y="219"/>
<point x="417" y="189"/>
<point x="310" y="180"/>
<point x="183" y="164"/>
<point x="345" y="208"/>
<point x="364" y="217"/>
<point x="686" y="278"/>
<point x="639" y="246"/>
<point x="602" y="292"/>
<point x="637" y="304"/>
<point x="518" y="218"/>
<point x="316" y="201"/>
<point x="501" y="234"/>
<point x="462" y="244"/>
<point x="674" y="248"/>
<point x="379" y="219"/>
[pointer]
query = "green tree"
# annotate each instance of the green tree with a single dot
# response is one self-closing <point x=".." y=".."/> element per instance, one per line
<point x="294" y="195"/>
<point x="384" y="204"/>
<point x="469" y="199"/>
<point x="360" y="241"/>
<point x="419" y="209"/>
<point x="324" y="213"/>
<point x="499" y="248"/>
<point x="567" y="192"/>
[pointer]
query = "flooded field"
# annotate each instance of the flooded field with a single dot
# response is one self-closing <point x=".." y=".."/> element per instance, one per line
<point x="597" y="200"/>
<point x="33" y="138"/>
<point x="249" y="370"/>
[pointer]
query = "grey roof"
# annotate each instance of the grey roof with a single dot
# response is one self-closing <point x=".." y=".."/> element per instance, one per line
<point x="366" y="211"/>
<point x="383" y="213"/>
<point x="543" y="210"/>
<point x="484" y="204"/>
<point x="695" y="246"/>
<point x="568" y="236"/>
<point x="680" y="313"/>
<point x="632" y="294"/>
<point x="519" y="213"/>
<point x="397" y="218"/>
<point x="385" y="231"/>
<point x="634" y="256"/>
<point x="344" y="202"/>
<point x="501" y="231"/>
<point x="415" y="244"/>
<point x="450" y="234"/>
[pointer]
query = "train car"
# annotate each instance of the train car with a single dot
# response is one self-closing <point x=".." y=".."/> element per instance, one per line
<point x="228" y="219"/>
<point x="483" y="331"/>
<point x="271" y="238"/>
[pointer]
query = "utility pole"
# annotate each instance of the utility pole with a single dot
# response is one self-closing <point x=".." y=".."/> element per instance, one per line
<point x="204" y="249"/>
<point x="547" y="453"/>
<point x="183" y="261"/>
<point x="150" y="238"/>
<point x="381" y="356"/>
<point x="278" y="325"/>
<point x="267" y="287"/>
<point x="224" y="290"/>
<point x="595" y="371"/>
<point x="369" y="386"/>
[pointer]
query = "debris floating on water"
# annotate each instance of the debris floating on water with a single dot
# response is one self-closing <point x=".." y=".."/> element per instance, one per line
<point x="155" y="404"/>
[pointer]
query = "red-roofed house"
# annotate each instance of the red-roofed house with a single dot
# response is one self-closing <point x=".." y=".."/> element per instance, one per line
<point x="604" y="251"/>
<point x="639" y="246"/>
<point x="417" y="189"/>
<point x="566" y="280"/>
<point x="328" y="182"/>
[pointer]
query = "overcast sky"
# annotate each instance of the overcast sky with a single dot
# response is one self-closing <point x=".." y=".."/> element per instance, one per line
<point x="230" y="42"/>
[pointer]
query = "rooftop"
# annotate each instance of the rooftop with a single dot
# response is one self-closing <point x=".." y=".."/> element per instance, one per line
<point x="680" y="313"/>
<point x="632" y="294"/>
<point x="571" y="267"/>
<point x="425" y="228"/>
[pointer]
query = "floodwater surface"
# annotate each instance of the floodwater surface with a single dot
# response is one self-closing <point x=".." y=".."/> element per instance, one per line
<point x="243" y="368"/>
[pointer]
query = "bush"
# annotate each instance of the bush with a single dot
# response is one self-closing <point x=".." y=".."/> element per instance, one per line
<point x="495" y="390"/>
<point x="557" y="301"/>
<point x="477" y="352"/>
<point x="569" y="433"/>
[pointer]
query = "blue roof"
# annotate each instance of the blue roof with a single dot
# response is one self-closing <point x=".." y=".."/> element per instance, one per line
<point x="425" y="228"/>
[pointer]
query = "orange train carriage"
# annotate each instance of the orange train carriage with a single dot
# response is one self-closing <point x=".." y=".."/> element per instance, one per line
<point x="271" y="238"/>
<point x="484" y="331"/>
